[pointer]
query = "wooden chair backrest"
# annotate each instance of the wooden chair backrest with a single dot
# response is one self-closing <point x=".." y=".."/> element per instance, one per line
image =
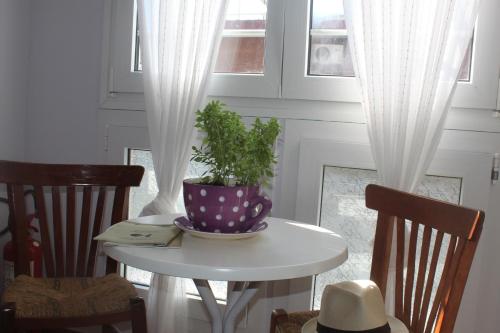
<point x="58" y="178"/>
<point x="414" y="304"/>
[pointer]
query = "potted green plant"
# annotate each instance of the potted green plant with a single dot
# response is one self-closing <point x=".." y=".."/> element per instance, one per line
<point x="239" y="161"/>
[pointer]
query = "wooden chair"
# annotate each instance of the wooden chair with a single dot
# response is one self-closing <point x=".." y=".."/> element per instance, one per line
<point x="69" y="295"/>
<point x="416" y="304"/>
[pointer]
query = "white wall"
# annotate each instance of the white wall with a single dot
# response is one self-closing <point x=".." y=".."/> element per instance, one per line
<point x="14" y="47"/>
<point x="14" y="60"/>
<point x="64" y="81"/>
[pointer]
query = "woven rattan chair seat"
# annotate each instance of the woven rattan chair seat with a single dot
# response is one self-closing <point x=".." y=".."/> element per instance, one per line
<point x="69" y="297"/>
<point x="295" y="321"/>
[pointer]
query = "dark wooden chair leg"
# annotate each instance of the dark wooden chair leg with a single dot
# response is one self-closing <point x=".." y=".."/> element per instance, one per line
<point x="8" y="318"/>
<point x="138" y="311"/>
<point x="276" y="316"/>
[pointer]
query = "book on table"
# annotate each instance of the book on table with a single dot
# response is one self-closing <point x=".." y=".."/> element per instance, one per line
<point x="137" y="234"/>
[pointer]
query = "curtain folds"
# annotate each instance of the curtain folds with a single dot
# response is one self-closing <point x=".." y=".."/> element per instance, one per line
<point x="179" y="41"/>
<point x="407" y="55"/>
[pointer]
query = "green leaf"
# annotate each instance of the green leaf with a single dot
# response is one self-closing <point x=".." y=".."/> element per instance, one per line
<point x="230" y="150"/>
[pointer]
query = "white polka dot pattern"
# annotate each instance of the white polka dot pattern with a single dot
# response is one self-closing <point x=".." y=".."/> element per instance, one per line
<point x="221" y="199"/>
<point x="245" y="204"/>
<point x="235" y="209"/>
<point x="202" y="209"/>
<point x="230" y="223"/>
<point x="203" y="192"/>
<point x="239" y="193"/>
<point x="218" y="217"/>
<point x="242" y="218"/>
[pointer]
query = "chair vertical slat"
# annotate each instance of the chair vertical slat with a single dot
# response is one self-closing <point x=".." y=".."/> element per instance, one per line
<point x="118" y="214"/>
<point x="400" y="258"/>
<point x="70" y="231"/>
<point x="430" y="282"/>
<point x="381" y="251"/>
<point x="84" y="231"/>
<point x="450" y="276"/>
<point x="17" y="209"/>
<point x="99" y="213"/>
<point x="422" y="269"/>
<point x="57" y="229"/>
<point x="44" y="232"/>
<point x="410" y="273"/>
<point x="425" y="310"/>
<point x="463" y="269"/>
<point x="436" y="304"/>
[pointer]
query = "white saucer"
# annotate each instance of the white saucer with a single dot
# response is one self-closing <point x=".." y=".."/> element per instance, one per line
<point x="184" y="224"/>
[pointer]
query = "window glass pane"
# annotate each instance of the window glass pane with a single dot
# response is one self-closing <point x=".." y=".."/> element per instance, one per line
<point x="464" y="74"/>
<point x="141" y="196"/>
<point x="343" y="211"/>
<point x="328" y="50"/>
<point x="137" y="61"/>
<point x="327" y="14"/>
<point x="329" y="53"/>
<point x="243" y="42"/>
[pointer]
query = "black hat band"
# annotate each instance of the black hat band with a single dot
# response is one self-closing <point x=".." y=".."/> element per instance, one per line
<point x="382" y="329"/>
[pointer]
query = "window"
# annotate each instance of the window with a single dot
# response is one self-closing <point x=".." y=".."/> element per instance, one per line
<point x="328" y="47"/>
<point x="330" y="191"/>
<point x="142" y="195"/>
<point x="343" y="211"/>
<point x="243" y="42"/>
<point x="249" y="62"/>
<point x="329" y="53"/>
<point x="292" y="49"/>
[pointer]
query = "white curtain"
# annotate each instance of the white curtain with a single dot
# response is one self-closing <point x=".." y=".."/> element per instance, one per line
<point x="407" y="55"/>
<point x="179" y="41"/>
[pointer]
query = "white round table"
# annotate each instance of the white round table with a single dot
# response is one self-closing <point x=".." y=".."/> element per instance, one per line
<point x="285" y="250"/>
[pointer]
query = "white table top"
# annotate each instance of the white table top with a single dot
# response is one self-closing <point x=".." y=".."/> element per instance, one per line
<point x="285" y="250"/>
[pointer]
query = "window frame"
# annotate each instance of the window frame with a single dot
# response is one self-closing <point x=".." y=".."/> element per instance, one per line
<point x="286" y="60"/>
<point x="266" y="85"/>
<point x="315" y="152"/>
<point x="122" y="79"/>
<point x="480" y="91"/>
<point x="483" y="86"/>
<point x="297" y="84"/>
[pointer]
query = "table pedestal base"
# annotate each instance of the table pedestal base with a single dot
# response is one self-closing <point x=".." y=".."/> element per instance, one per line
<point x="240" y="295"/>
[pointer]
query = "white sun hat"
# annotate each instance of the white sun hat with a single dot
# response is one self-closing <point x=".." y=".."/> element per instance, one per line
<point x="353" y="306"/>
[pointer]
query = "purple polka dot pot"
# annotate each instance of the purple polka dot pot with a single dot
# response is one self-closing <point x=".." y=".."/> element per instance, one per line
<point x="224" y="209"/>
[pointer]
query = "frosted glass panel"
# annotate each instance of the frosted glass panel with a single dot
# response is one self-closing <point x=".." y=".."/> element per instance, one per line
<point x="343" y="211"/>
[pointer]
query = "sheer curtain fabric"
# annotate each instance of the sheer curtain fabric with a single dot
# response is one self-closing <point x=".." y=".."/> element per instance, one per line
<point x="407" y="55"/>
<point x="179" y="44"/>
